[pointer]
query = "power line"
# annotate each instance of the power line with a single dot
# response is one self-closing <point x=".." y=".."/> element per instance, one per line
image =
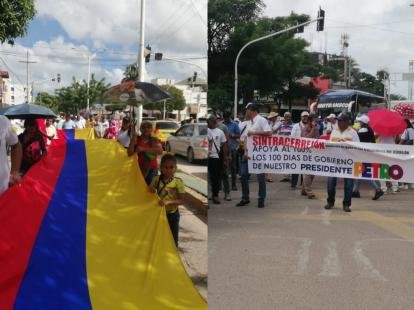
<point x="198" y="12"/>
<point x="9" y="69"/>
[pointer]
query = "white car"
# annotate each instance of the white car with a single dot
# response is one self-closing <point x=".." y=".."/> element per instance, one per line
<point x="190" y="140"/>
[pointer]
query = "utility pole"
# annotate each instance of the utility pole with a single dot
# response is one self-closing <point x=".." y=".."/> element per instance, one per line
<point x="90" y="57"/>
<point x="344" y="46"/>
<point x="27" y="73"/>
<point x="141" y="61"/>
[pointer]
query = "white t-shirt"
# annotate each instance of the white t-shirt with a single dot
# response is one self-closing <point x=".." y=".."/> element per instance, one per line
<point x="216" y="135"/>
<point x="244" y="128"/>
<point x="259" y="123"/>
<point x="124" y="138"/>
<point x="80" y="124"/>
<point x="408" y="134"/>
<point x="348" y="134"/>
<point x="386" y="140"/>
<point x="297" y="129"/>
<point x="7" y="136"/>
<point x="69" y="124"/>
<point x="51" y="132"/>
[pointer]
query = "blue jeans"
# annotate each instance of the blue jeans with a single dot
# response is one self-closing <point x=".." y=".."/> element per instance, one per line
<point x="348" y="186"/>
<point x="373" y="183"/>
<point x="244" y="174"/>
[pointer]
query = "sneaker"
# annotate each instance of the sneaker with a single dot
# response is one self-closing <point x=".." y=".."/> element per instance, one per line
<point x="215" y="200"/>
<point x="378" y="194"/>
<point x="243" y="203"/>
<point x="329" y="206"/>
<point x="347" y="208"/>
<point x="261" y="203"/>
<point x="356" y="195"/>
<point x="227" y="197"/>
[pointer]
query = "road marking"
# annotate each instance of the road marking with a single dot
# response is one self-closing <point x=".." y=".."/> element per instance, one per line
<point x="305" y="211"/>
<point x="326" y="215"/>
<point x="331" y="266"/>
<point x="364" y="262"/>
<point x="388" y="223"/>
<point x="303" y="257"/>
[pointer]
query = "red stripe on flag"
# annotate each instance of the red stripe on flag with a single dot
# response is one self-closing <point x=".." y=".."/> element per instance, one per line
<point x="22" y="208"/>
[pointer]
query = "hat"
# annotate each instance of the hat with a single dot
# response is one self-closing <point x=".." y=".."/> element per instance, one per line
<point x="363" y="119"/>
<point x="343" y="117"/>
<point x="272" y="114"/>
<point x="304" y="113"/>
<point x="331" y="116"/>
<point x="252" y="107"/>
<point x="211" y="118"/>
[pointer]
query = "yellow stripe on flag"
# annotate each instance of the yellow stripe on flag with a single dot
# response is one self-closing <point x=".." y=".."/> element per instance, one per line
<point x="85" y="134"/>
<point x="132" y="262"/>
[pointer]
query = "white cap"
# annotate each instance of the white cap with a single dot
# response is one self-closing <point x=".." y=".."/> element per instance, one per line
<point x="304" y="113"/>
<point x="363" y="119"/>
<point x="331" y="115"/>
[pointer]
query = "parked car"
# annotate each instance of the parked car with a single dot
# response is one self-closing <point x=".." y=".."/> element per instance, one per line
<point x="162" y="129"/>
<point x="190" y="140"/>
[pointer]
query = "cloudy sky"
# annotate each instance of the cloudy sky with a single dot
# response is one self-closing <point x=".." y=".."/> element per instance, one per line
<point x="65" y="32"/>
<point x="381" y="32"/>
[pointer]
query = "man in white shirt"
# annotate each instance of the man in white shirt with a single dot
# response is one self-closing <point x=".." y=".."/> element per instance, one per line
<point x="331" y="123"/>
<point x="80" y="122"/>
<point x="343" y="133"/>
<point x="217" y="153"/>
<point x="257" y="125"/>
<point x="9" y="137"/>
<point x="68" y="124"/>
<point x="297" y="132"/>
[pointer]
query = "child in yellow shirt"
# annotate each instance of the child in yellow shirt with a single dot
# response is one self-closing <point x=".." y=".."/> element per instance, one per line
<point x="170" y="190"/>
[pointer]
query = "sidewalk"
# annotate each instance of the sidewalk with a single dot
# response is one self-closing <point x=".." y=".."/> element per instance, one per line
<point x="193" y="231"/>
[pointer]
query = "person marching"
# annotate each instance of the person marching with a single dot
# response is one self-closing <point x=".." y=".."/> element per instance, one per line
<point x="169" y="190"/>
<point x="257" y="125"/>
<point x="343" y="133"/>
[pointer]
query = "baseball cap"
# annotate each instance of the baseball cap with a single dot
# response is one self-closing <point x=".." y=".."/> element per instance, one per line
<point x="252" y="106"/>
<point x="212" y="118"/>
<point x="363" y="119"/>
<point x="343" y="117"/>
<point x="304" y="113"/>
<point x="331" y="115"/>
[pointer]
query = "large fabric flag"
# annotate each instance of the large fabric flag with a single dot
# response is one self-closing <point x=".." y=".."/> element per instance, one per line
<point x="82" y="232"/>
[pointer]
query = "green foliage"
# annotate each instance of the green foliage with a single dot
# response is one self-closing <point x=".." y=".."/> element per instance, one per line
<point x="14" y="18"/>
<point x="74" y="97"/>
<point x="115" y="107"/>
<point x="47" y="100"/>
<point x="175" y="103"/>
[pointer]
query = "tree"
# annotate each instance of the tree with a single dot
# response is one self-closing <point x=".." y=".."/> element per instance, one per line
<point x="177" y="102"/>
<point x="73" y="98"/>
<point x="224" y="16"/>
<point x="14" y="18"/>
<point x="131" y="73"/>
<point x="47" y="100"/>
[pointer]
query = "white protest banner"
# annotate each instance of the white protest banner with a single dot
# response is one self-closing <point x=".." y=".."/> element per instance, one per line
<point x="282" y="154"/>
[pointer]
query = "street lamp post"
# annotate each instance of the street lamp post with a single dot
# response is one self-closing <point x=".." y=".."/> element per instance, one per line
<point x="90" y="57"/>
<point x="141" y="55"/>
<point x="257" y="40"/>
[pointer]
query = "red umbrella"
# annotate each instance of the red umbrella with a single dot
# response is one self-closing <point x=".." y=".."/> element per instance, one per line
<point x="405" y="109"/>
<point x="386" y="123"/>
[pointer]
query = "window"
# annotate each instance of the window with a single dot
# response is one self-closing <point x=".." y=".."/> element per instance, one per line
<point x="166" y="125"/>
<point x="189" y="131"/>
<point x="182" y="131"/>
<point x="202" y="130"/>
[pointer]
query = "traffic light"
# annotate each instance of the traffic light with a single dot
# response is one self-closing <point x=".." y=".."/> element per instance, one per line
<point x="58" y="77"/>
<point x="158" y="56"/>
<point x="147" y="53"/>
<point x="195" y="76"/>
<point x="300" y="29"/>
<point x="320" y="22"/>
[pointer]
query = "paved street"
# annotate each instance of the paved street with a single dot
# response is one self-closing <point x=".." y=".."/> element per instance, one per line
<point x="294" y="254"/>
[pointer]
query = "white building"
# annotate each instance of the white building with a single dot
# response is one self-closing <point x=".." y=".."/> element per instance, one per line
<point x="195" y="95"/>
<point x="10" y="93"/>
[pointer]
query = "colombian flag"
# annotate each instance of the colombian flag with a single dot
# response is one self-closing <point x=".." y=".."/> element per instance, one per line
<point x="82" y="232"/>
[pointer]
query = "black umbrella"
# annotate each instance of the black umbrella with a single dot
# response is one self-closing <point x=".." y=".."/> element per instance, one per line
<point x="27" y="110"/>
<point x="133" y="92"/>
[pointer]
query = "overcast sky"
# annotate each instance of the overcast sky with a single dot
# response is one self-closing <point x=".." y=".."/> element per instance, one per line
<point x="64" y="32"/>
<point x="381" y="32"/>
